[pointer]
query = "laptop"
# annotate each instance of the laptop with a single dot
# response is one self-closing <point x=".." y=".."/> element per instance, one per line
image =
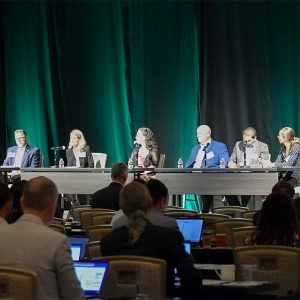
<point x="80" y="240"/>
<point x="191" y="228"/>
<point x="76" y="251"/>
<point x="187" y="247"/>
<point x="91" y="276"/>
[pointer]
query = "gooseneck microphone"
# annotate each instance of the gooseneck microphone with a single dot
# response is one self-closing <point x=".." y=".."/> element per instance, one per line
<point x="58" y="148"/>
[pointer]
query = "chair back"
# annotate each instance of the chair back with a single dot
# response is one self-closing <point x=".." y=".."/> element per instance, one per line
<point x="58" y="221"/>
<point x="96" y="233"/>
<point x="93" y="250"/>
<point x="57" y="227"/>
<point x="99" y="159"/>
<point x="180" y="213"/>
<point x="18" y="284"/>
<point x="232" y="211"/>
<point x="102" y="218"/>
<point x="162" y="158"/>
<point x="210" y="220"/>
<point x="274" y="263"/>
<point x="41" y="163"/>
<point x="76" y="209"/>
<point x="240" y="235"/>
<point x="85" y="216"/>
<point x="248" y="214"/>
<point x="128" y="276"/>
<point x="226" y="226"/>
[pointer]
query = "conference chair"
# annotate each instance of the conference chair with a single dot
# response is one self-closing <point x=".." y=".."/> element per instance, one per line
<point x="241" y="235"/>
<point x="41" y="163"/>
<point x="274" y="263"/>
<point x="96" y="233"/>
<point x="128" y="276"/>
<point x="161" y="163"/>
<point x="58" y="228"/>
<point x="210" y="220"/>
<point x="17" y="284"/>
<point x="172" y="207"/>
<point x="93" y="250"/>
<point x="76" y="209"/>
<point x="58" y="221"/>
<point x="248" y="214"/>
<point x="181" y="213"/>
<point x="99" y="159"/>
<point x="232" y="211"/>
<point x="102" y="218"/>
<point x="85" y="216"/>
<point x="226" y="226"/>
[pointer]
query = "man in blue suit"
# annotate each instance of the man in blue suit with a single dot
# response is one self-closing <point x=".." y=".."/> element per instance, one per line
<point x="22" y="155"/>
<point x="207" y="154"/>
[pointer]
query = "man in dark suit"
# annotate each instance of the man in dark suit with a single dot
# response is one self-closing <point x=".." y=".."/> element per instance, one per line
<point x="108" y="197"/>
<point x="23" y="155"/>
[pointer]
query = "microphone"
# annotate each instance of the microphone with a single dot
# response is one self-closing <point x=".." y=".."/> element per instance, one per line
<point x="57" y="148"/>
<point x="137" y="145"/>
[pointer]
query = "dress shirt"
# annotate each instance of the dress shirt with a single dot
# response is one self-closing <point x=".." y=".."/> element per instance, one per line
<point x="200" y="156"/>
<point x="3" y="221"/>
<point x="19" y="156"/>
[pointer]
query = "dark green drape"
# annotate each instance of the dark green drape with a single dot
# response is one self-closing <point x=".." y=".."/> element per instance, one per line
<point x="110" y="67"/>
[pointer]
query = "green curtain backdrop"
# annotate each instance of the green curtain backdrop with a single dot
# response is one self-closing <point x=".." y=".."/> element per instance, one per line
<point x="110" y="67"/>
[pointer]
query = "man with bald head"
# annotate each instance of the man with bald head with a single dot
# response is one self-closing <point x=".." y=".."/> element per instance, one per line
<point x="30" y="244"/>
<point x="207" y="154"/>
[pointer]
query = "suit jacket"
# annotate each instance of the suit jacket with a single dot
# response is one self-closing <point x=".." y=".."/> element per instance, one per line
<point x="260" y="150"/>
<point x="155" y="217"/>
<point x="30" y="244"/>
<point x="85" y="162"/>
<point x="158" y="242"/>
<point x="107" y="197"/>
<point x="214" y="153"/>
<point x="31" y="157"/>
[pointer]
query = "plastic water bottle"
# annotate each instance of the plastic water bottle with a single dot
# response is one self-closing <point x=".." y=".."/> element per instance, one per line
<point x="130" y="163"/>
<point x="222" y="163"/>
<point x="61" y="163"/>
<point x="180" y="163"/>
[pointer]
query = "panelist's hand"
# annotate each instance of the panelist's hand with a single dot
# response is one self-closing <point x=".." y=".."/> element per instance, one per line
<point x="267" y="164"/>
<point x="233" y="165"/>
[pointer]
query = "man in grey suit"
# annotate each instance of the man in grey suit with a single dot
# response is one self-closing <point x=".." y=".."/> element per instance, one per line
<point x="159" y="194"/>
<point x="247" y="153"/>
<point x="30" y="244"/>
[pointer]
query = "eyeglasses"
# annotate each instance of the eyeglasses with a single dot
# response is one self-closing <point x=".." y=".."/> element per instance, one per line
<point x="21" y="138"/>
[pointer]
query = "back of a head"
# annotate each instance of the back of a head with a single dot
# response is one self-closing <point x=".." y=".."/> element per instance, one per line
<point x="17" y="191"/>
<point x="135" y="196"/>
<point x="119" y="171"/>
<point x="5" y="195"/>
<point x="39" y="193"/>
<point x="284" y="187"/>
<point x="158" y="191"/>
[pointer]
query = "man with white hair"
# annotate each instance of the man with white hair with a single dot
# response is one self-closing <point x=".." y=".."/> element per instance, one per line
<point x="207" y="154"/>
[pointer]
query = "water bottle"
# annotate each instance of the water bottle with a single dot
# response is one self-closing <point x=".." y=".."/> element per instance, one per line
<point x="61" y="163"/>
<point x="130" y="163"/>
<point x="180" y="163"/>
<point x="222" y="163"/>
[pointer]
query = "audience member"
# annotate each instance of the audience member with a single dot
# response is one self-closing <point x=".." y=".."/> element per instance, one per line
<point x="280" y="187"/>
<point x="159" y="194"/>
<point x="108" y="197"/>
<point x="278" y="223"/>
<point x="17" y="191"/>
<point x="208" y="153"/>
<point x="145" y="239"/>
<point x="251" y="149"/>
<point x="5" y="203"/>
<point x="30" y="244"/>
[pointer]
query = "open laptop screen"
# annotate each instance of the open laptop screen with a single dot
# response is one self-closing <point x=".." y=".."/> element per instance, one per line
<point x="76" y="251"/>
<point x="191" y="228"/>
<point x="80" y="240"/>
<point x="91" y="275"/>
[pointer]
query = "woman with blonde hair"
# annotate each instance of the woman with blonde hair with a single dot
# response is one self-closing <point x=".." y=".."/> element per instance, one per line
<point x="142" y="238"/>
<point x="289" y="155"/>
<point x="145" y="153"/>
<point x="78" y="153"/>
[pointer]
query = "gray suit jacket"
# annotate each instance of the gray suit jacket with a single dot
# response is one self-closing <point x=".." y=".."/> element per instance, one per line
<point x="30" y="244"/>
<point x="261" y="150"/>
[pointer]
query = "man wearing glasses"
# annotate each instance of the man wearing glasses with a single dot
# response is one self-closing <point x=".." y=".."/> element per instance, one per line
<point x="23" y="155"/>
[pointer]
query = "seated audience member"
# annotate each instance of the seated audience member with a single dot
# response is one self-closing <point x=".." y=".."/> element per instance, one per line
<point x="143" y="238"/>
<point x="208" y="153"/>
<point x="297" y="206"/>
<point x="30" y="244"/>
<point x="159" y="194"/>
<point x="22" y="156"/>
<point x="108" y="197"/>
<point x="278" y="222"/>
<point x="280" y="187"/>
<point x="254" y="150"/>
<point x="5" y="203"/>
<point x="17" y="191"/>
